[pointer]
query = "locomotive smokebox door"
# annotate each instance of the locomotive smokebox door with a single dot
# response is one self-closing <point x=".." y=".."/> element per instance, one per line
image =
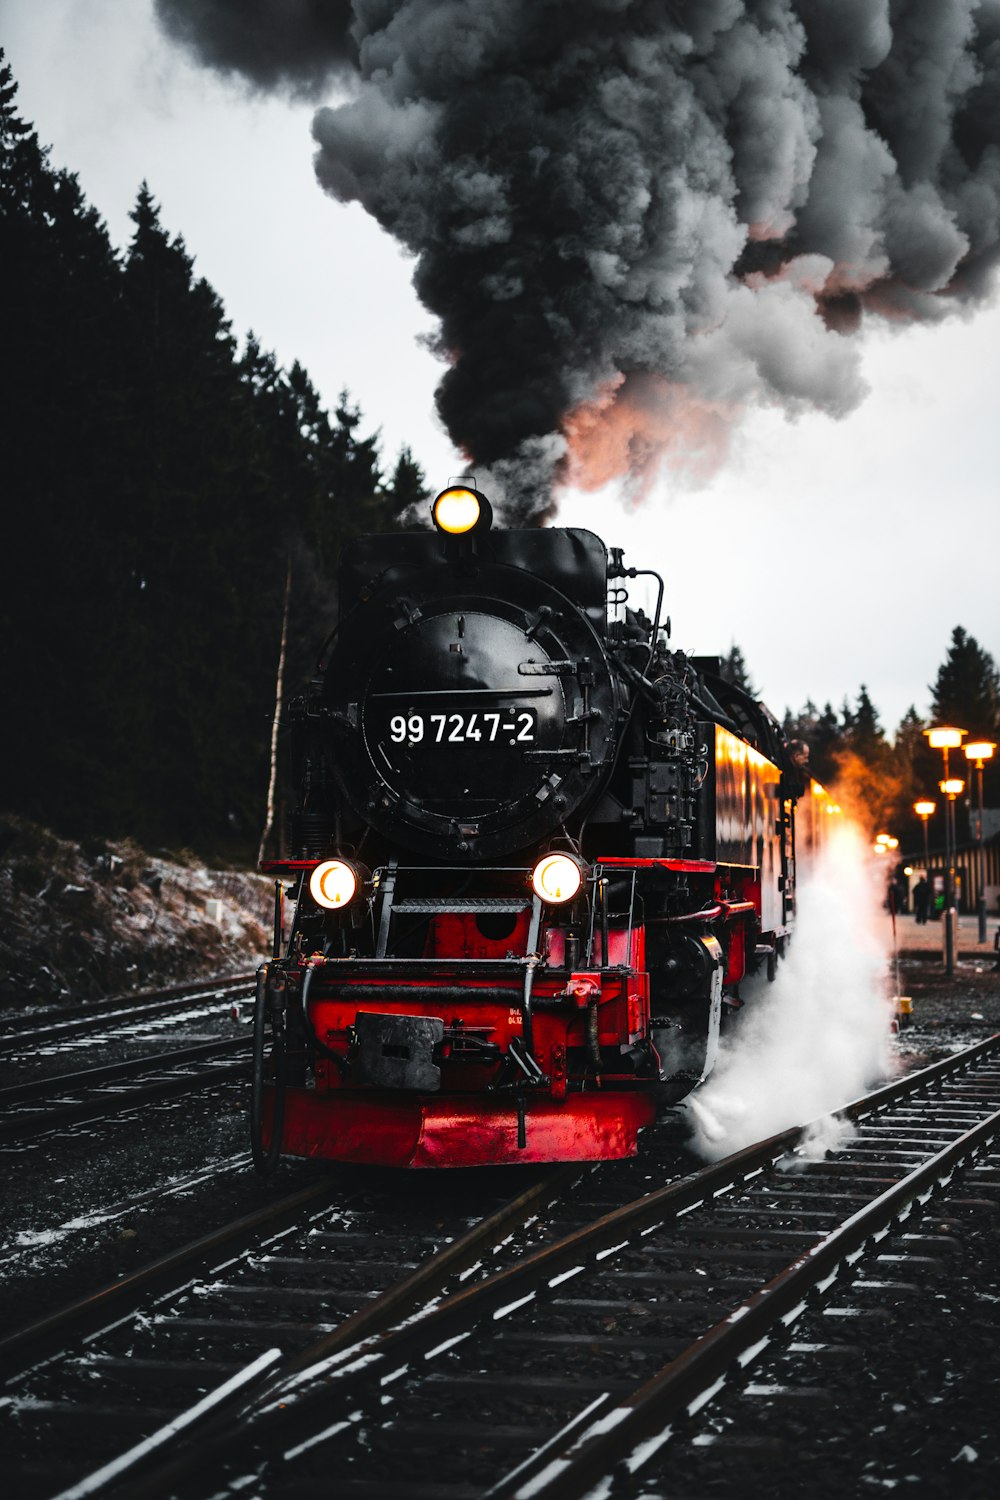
<point x="397" y="1052"/>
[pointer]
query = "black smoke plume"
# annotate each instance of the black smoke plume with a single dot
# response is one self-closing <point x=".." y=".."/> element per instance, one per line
<point x="634" y="217"/>
<point x="295" y="45"/>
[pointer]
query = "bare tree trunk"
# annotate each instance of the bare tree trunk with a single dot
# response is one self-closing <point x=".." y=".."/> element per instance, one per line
<point x="279" y="685"/>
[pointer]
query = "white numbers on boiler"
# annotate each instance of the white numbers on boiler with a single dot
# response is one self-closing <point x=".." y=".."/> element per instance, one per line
<point x="462" y="729"/>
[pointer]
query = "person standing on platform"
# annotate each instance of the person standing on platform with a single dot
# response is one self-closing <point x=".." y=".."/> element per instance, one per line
<point x="921" y="900"/>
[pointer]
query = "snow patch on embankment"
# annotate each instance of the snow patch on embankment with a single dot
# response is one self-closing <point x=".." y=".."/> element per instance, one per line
<point x="103" y="918"/>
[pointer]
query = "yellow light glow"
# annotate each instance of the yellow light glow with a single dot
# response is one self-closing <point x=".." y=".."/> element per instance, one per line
<point x="892" y="844"/>
<point x="879" y="848"/>
<point x="952" y="787"/>
<point x="907" y="869"/>
<point x="945" y="737"/>
<point x="981" y="750"/>
<point x="333" y="884"/>
<point x="883" y="838"/>
<point x="456" y="511"/>
<point x="924" y="809"/>
<point x="557" y="878"/>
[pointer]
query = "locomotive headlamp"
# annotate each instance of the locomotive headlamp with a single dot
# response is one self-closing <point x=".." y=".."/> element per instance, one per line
<point x="557" y="878"/>
<point x="334" y="884"/>
<point x="458" y="511"/>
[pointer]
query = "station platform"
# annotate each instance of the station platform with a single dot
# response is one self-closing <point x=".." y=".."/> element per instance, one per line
<point x="914" y="940"/>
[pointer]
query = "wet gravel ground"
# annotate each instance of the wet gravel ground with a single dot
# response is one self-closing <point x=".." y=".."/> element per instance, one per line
<point x="913" y="1407"/>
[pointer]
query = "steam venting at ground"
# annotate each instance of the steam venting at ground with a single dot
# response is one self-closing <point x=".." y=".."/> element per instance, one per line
<point x="633" y="218"/>
<point x="818" y="1036"/>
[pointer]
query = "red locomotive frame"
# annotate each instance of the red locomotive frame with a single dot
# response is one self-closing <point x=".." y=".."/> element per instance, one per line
<point x="472" y="1003"/>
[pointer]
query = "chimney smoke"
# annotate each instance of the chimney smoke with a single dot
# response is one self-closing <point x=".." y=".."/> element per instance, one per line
<point x="635" y="218"/>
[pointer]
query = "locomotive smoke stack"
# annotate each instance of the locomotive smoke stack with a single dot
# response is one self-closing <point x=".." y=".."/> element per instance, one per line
<point x="634" y="220"/>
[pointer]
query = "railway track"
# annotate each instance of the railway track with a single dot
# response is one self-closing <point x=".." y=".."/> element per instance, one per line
<point x="568" y="1370"/>
<point x="64" y="1100"/>
<point x="30" y="1029"/>
<point x="340" y="1259"/>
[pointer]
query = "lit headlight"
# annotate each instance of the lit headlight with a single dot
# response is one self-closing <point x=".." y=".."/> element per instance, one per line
<point x="557" y="878"/>
<point x="333" y="884"/>
<point x="459" y="510"/>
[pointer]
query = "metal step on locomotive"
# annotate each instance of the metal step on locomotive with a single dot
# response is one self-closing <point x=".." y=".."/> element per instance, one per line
<point x="535" y="853"/>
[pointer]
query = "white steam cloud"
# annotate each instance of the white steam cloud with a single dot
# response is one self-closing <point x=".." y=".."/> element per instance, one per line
<point x="819" y="1036"/>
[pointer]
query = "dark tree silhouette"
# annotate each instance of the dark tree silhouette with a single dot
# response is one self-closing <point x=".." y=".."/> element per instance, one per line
<point x="407" y="492"/>
<point x="733" y="668"/>
<point x="966" y="690"/>
<point x="159" y="485"/>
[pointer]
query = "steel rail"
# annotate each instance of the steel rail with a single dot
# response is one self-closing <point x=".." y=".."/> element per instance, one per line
<point x="110" y="1003"/>
<point x="114" y="1303"/>
<point x="353" y="1365"/>
<point x="27" y="1345"/>
<point x="621" y="1436"/>
<point x="27" y="1123"/>
<point x="298" y="1395"/>
<point x="16" y="1033"/>
<point x="55" y="1084"/>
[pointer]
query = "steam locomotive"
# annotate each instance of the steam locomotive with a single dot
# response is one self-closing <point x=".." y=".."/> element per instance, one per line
<point x="535" y="853"/>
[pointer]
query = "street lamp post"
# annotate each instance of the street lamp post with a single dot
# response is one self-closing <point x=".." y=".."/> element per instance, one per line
<point x="952" y="789"/>
<point x="925" y="810"/>
<point x="945" y="737"/>
<point x="976" y="754"/>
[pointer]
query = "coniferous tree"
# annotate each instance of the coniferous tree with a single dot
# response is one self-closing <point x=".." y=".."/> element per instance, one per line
<point x="407" y="492"/>
<point x="866" y="779"/>
<point x="733" y="668"/>
<point x="827" y="742"/>
<point x="966" y="690"/>
<point x="59" y="389"/>
<point x="966" y="693"/>
<point x="159" y="485"/>
<point x="821" y="732"/>
<point x="863" y="730"/>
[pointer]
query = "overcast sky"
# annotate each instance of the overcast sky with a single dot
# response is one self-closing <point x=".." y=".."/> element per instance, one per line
<point x="834" y="553"/>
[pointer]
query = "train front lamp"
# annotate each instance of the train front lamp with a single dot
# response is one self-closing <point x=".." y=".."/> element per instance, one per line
<point x="334" y="884"/>
<point x="976" y="754"/>
<point x="459" y="510"/>
<point x="557" y="878"/>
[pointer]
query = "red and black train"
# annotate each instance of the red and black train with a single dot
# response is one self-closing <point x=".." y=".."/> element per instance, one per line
<point x="536" y="852"/>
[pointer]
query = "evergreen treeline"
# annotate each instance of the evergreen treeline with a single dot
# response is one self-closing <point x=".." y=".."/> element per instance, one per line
<point x="879" y="780"/>
<point x="157" y="480"/>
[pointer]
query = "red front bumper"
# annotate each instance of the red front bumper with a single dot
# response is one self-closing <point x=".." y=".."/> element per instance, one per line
<point x="462" y="1130"/>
